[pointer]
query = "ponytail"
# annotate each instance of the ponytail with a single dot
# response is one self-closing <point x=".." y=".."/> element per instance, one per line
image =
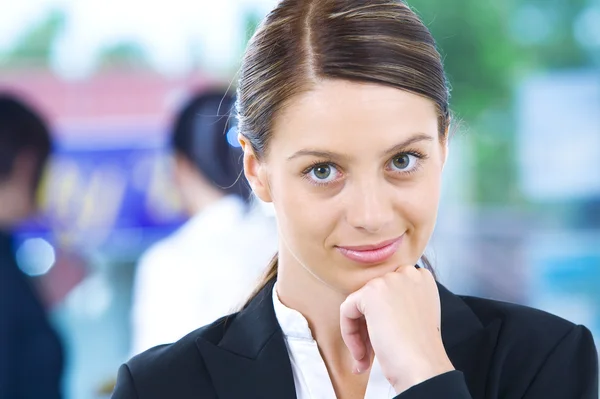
<point x="427" y="265"/>
<point x="269" y="275"/>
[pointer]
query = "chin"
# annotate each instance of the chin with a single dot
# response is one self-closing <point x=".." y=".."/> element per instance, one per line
<point x="354" y="279"/>
<point x="355" y="275"/>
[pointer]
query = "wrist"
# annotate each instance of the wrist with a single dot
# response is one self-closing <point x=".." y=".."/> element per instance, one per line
<point x="420" y="373"/>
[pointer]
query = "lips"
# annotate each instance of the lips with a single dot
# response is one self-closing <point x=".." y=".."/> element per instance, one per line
<point x="370" y="254"/>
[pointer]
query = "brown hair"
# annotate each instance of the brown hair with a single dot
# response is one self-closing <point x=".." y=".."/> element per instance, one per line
<point x="302" y="42"/>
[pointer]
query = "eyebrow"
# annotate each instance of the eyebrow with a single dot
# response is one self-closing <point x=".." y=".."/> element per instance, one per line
<point x="333" y="156"/>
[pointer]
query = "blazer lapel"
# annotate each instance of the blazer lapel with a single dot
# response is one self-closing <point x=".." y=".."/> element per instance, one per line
<point x="469" y="344"/>
<point x="251" y="360"/>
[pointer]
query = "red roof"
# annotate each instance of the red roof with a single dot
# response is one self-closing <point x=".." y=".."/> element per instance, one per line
<point x="109" y="98"/>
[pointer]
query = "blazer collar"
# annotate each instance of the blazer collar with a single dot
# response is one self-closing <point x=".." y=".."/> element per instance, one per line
<point x="469" y="344"/>
<point x="251" y="359"/>
<point x="458" y="320"/>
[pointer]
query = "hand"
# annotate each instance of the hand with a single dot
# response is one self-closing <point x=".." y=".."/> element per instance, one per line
<point x="397" y="316"/>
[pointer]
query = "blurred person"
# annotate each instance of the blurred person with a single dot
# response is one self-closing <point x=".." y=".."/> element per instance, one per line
<point x="31" y="354"/>
<point x="177" y="286"/>
<point x="344" y="120"/>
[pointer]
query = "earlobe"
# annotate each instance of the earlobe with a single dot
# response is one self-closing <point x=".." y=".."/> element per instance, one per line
<point x="446" y="150"/>
<point x="446" y="146"/>
<point x="255" y="171"/>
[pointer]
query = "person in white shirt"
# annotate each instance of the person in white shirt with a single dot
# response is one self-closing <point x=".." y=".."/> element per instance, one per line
<point x="208" y="267"/>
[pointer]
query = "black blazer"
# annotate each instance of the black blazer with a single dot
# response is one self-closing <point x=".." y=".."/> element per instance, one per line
<point x="31" y="353"/>
<point x="500" y="351"/>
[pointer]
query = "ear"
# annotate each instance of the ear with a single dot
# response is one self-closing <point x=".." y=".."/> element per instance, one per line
<point x="446" y="145"/>
<point x="255" y="171"/>
<point x="23" y="169"/>
<point x="22" y="177"/>
<point x="445" y="152"/>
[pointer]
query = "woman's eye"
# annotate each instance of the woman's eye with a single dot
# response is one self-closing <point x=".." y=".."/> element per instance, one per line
<point x="323" y="173"/>
<point x="404" y="162"/>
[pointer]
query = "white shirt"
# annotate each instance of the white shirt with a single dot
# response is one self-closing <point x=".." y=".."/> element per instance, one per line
<point x="311" y="378"/>
<point x="203" y="271"/>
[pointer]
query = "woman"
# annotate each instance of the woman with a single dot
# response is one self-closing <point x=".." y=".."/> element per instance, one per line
<point x="344" y="119"/>
<point x="178" y="272"/>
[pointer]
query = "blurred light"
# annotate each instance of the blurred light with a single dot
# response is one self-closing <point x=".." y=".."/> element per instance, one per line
<point x="531" y="25"/>
<point x="35" y="257"/>
<point x="92" y="298"/>
<point x="587" y="27"/>
<point x="551" y="104"/>
<point x="232" y="137"/>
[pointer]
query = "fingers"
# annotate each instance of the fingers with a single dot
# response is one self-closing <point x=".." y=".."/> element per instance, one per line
<point x="415" y="271"/>
<point x="381" y="295"/>
<point x="352" y="324"/>
<point x="352" y="308"/>
<point x="360" y="366"/>
<point x="354" y="333"/>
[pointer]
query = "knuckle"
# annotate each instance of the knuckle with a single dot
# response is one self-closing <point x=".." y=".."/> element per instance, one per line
<point x="416" y="274"/>
<point x="404" y="269"/>
<point x="393" y="278"/>
<point x="377" y="283"/>
<point x="427" y="274"/>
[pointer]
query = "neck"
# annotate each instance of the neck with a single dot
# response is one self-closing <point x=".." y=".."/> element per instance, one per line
<point x="320" y="304"/>
<point x="198" y="199"/>
<point x="6" y="222"/>
<point x="199" y="204"/>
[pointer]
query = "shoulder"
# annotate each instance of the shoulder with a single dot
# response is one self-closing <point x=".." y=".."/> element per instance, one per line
<point x="160" y="258"/>
<point x="160" y="249"/>
<point x="15" y="289"/>
<point x="11" y="293"/>
<point x="520" y="324"/>
<point x="532" y="348"/>
<point x="173" y="370"/>
<point x="178" y="355"/>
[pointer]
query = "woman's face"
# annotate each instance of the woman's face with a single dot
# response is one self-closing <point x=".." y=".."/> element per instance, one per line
<point x="354" y="172"/>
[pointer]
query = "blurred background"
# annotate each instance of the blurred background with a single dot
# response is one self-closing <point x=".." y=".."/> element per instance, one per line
<point x="520" y="214"/>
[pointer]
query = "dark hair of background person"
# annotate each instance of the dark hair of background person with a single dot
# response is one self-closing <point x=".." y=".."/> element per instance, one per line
<point x="302" y="42"/>
<point x="203" y="134"/>
<point x="22" y="131"/>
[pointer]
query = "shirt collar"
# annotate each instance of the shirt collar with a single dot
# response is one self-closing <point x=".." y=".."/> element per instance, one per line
<point x="292" y="323"/>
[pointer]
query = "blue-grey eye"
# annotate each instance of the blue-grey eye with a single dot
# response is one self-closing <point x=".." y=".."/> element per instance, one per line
<point x="404" y="162"/>
<point x="401" y="161"/>
<point x="322" y="172"/>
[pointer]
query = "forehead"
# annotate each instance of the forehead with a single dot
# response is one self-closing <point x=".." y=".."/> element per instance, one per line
<point x="341" y="114"/>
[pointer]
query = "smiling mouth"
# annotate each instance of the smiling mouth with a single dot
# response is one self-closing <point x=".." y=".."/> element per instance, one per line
<point x="370" y="254"/>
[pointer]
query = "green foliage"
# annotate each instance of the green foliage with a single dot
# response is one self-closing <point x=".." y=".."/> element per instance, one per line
<point x="34" y="47"/>
<point x="485" y="61"/>
<point x="123" y="55"/>
<point x="251" y="21"/>
<point x="473" y="37"/>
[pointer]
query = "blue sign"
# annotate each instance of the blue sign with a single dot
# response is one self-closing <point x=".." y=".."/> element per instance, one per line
<point x="90" y="193"/>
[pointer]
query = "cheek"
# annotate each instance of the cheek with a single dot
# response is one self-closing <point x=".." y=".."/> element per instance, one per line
<point x="303" y="218"/>
<point x="420" y="207"/>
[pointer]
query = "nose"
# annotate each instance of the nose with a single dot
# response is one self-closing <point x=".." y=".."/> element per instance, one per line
<point x="369" y="206"/>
